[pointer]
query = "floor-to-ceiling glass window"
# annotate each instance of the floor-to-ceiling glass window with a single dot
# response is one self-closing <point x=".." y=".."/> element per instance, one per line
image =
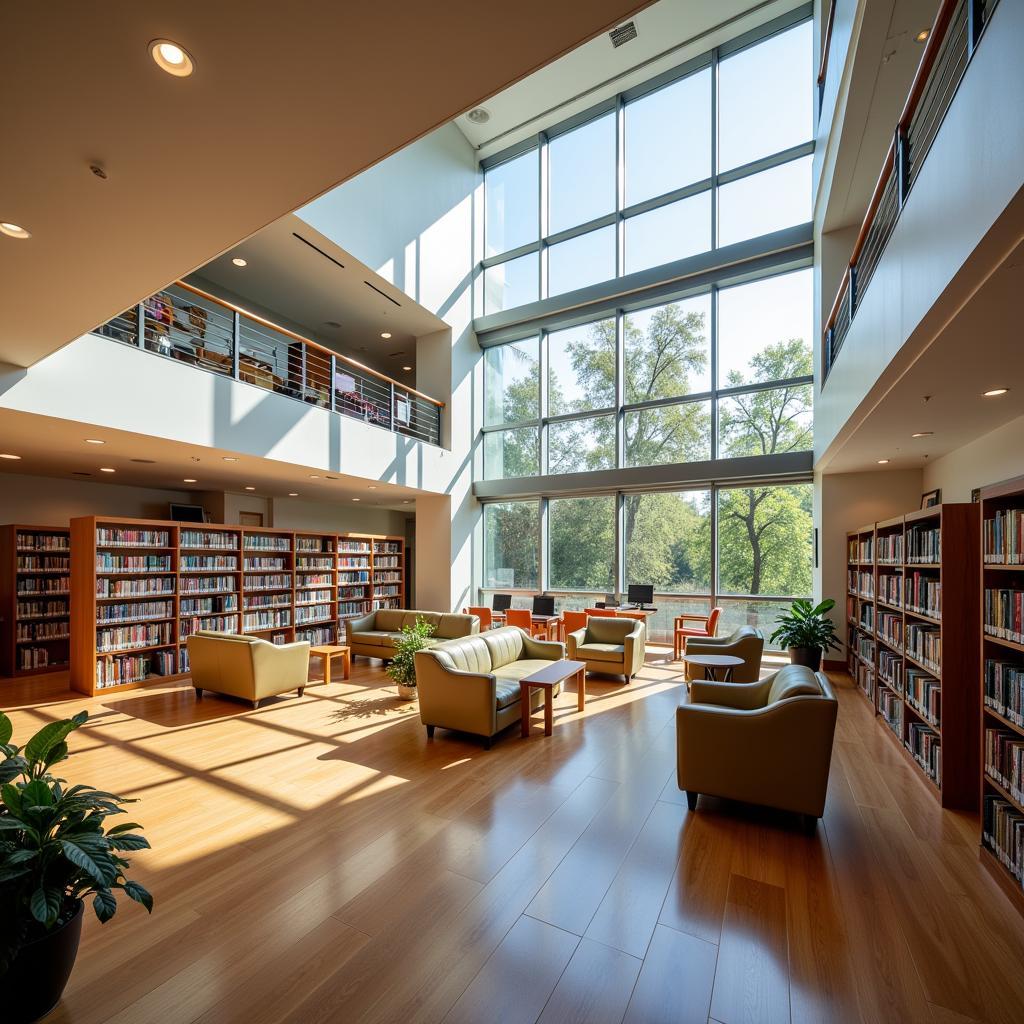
<point x="511" y="545"/>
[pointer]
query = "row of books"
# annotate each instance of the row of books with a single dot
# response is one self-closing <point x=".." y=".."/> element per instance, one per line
<point x="42" y="585"/>
<point x="890" y="628"/>
<point x="313" y="613"/>
<point x="208" y="539"/>
<point x="278" y="619"/>
<point x="1004" y="614"/>
<point x="1003" y="537"/>
<point x="207" y="584"/>
<point x="56" y="629"/>
<point x="140" y="635"/>
<point x="925" y="747"/>
<point x="890" y="669"/>
<point x="135" y="610"/>
<point x="266" y="542"/>
<point x="190" y="563"/>
<point x="890" y="549"/>
<point x="1004" y="689"/>
<point x="315" y="596"/>
<point x="106" y="587"/>
<point x="387" y="546"/>
<point x="314" y="544"/>
<point x="390" y="576"/>
<point x="305" y="580"/>
<point x="43" y="542"/>
<point x="275" y="581"/>
<point x="217" y="623"/>
<point x="890" y="588"/>
<point x="209" y="605"/>
<point x="924" y="544"/>
<point x="1004" y="760"/>
<point x="924" y="594"/>
<point x="866" y="680"/>
<point x="851" y="608"/>
<point x="388" y="590"/>
<point x="106" y="562"/>
<point x="122" y="537"/>
<point x="264" y="564"/>
<point x="859" y="550"/>
<point x="890" y="707"/>
<point x="867" y="617"/>
<point x="41" y="609"/>
<point x="308" y="562"/>
<point x="386" y="602"/>
<point x="355" y="576"/>
<point x="43" y="563"/>
<point x="132" y="668"/>
<point x="316" y="634"/>
<point x="923" y="693"/>
<point x="385" y="562"/>
<point x="39" y="657"/>
<point x="924" y="644"/>
<point x="1002" y="831"/>
<point x="353" y="562"/>
<point x="274" y="599"/>
<point x="866" y="647"/>
<point x="347" y="545"/>
<point x="353" y="608"/>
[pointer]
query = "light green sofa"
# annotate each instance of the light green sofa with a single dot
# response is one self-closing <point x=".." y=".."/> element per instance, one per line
<point x="375" y="635"/>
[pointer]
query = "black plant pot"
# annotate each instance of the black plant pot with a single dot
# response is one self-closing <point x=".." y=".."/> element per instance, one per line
<point x="36" y="979"/>
<point x="809" y="656"/>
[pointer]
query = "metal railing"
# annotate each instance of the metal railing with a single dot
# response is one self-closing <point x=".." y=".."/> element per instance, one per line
<point x="826" y="48"/>
<point x="188" y="324"/>
<point x="951" y="43"/>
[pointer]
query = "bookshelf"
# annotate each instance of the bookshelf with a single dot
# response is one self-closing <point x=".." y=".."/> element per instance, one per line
<point x="924" y="567"/>
<point x="388" y="572"/>
<point x="35" y="619"/>
<point x="371" y="569"/>
<point x="860" y="609"/>
<point x="316" y="587"/>
<point x="1002" y="683"/>
<point x="268" y="584"/>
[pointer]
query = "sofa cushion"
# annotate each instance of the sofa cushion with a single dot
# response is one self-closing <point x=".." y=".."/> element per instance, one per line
<point x="516" y="670"/>
<point x="410" y="618"/>
<point x="793" y="681"/>
<point x="601" y="652"/>
<point x="606" y="630"/>
<point x="505" y="645"/>
<point x="451" y="625"/>
<point x="376" y="638"/>
<point x="467" y="654"/>
<point x="388" y="620"/>
<point x="507" y="692"/>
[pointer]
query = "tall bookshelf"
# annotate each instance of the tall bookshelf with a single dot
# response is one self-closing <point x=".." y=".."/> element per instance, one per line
<point x="388" y="572"/>
<point x="316" y="587"/>
<point x="35" y="574"/>
<point x="355" y="576"/>
<point x="920" y="675"/>
<point x="268" y="584"/>
<point x="860" y="609"/>
<point x="1002" y="684"/>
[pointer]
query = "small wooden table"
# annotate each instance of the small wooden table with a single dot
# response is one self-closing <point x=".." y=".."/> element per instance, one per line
<point x="547" y="621"/>
<point x="547" y="679"/>
<point x="712" y="662"/>
<point x="328" y="651"/>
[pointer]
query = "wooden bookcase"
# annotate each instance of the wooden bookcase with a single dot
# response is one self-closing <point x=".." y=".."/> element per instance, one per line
<point x="268" y="584"/>
<point x="1002" y="682"/>
<point x="388" y="572"/>
<point x="922" y="570"/>
<point x="35" y="619"/>
<point x="371" y="573"/>
<point x="316" y="587"/>
<point x="860" y="610"/>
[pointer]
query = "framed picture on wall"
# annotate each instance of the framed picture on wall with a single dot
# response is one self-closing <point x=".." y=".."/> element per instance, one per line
<point x="931" y="498"/>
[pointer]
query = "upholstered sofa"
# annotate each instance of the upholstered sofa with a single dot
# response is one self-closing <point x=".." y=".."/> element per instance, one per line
<point x="613" y="646"/>
<point x="375" y="635"/>
<point x="472" y="684"/>
<point x="768" y="742"/>
<point x="746" y="643"/>
<point x="246" y="666"/>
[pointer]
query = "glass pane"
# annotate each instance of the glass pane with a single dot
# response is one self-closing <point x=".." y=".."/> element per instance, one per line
<point x="582" y="543"/>
<point x="668" y="350"/>
<point x="510" y="544"/>
<point x="764" y="329"/>
<point x="669" y="233"/>
<point x="511" y="453"/>
<point x="581" y="174"/>
<point x="511" y="382"/>
<point x="765" y="98"/>
<point x="585" y="259"/>
<point x="660" y="625"/>
<point x="580" y="446"/>
<point x="668" y="138"/>
<point x="512" y="203"/>
<point x="581" y="368"/>
<point x="766" y="422"/>
<point x="668" y="541"/>
<point x="764" y="540"/>
<point x="765" y="202"/>
<point x="512" y="284"/>
<point x="762" y="615"/>
<point x="669" y="433"/>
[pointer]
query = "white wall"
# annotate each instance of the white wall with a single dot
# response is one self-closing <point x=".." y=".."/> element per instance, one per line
<point x="990" y="459"/>
<point x="318" y="516"/>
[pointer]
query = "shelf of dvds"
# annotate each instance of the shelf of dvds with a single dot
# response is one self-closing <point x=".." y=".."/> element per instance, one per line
<point x="1002" y="684"/>
<point x="914" y="673"/>
<point x="35" y="572"/>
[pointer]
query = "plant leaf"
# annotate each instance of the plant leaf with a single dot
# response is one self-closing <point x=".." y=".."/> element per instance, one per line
<point x="45" y="903"/>
<point x="104" y="904"/>
<point x="125" y="826"/>
<point x="81" y="859"/>
<point x="140" y="894"/>
<point x="6" y="729"/>
<point x="36" y="794"/>
<point x="127" y="842"/>
<point x="50" y="735"/>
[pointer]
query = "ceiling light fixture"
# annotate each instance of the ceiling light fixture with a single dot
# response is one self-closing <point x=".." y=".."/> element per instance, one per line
<point x="293" y="494"/>
<point x="239" y="262"/>
<point x="372" y="487"/>
<point x="996" y="392"/>
<point x="883" y="462"/>
<point x="923" y="433"/>
<point x="229" y="458"/>
<point x="479" y="115"/>
<point x="172" y="58"/>
<point x="314" y="476"/>
<point x="357" y="499"/>
<point x="107" y="469"/>
<point x="14" y="230"/>
<point x="923" y="35"/>
<point x="188" y="480"/>
<point x="250" y="488"/>
<point x="385" y="335"/>
<point x="407" y="368"/>
<point x="7" y="455"/>
<point x="94" y="440"/>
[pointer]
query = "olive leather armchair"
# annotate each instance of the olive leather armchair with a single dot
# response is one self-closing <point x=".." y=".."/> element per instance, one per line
<point x="613" y="646"/>
<point x="767" y="743"/>
<point x="746" y="643"/>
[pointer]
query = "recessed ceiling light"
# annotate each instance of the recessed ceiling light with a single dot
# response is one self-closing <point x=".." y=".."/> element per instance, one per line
<point x="996" y="392"/>
<point x="188" y="480"/>
<point x="314" y="476"/>
<point x="357" y="499"/>
<point x="172" y="58"/>
<point x="14" y="230"/>
<point x="94" y="440"/>
<point x="250" y="488"/>
<point x="239" y="262"/>
<point x="883" y="462"/>
<point x="7" y="455"/>
<point x="293" y="494"/>
<point x="923" y="433"/>
<point x="479" y="115"/>
<point x="407" y="501"/>
<point x="107" y="469"/>
<point x="406" y="368"/>
<point x="372" y="487"/>
<point x="923" y="35"/>
<point x="385" y="335"/>
<point x="229" y="458"/>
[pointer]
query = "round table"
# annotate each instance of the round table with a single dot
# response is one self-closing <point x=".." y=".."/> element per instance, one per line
<point x="712" y="662"/>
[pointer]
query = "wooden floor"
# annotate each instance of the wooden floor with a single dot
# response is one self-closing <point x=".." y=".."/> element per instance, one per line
<point x="319" y="860"/>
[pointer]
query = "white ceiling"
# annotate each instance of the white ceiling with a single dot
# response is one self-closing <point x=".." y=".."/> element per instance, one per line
<point x="287" y="101"/>
<point x="669" y="33"/>
<point x="57" y="448"/>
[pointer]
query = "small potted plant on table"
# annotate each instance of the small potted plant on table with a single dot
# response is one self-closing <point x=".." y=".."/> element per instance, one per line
<point x="402" y="667"/>
<point x="55" y="850"/>
<point x="806" y="630"/>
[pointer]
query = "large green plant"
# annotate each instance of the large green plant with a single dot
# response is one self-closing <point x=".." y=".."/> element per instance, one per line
<point x="414" y="638"/>
<point x="54" y="847"/>
<point x="807" y="625"/>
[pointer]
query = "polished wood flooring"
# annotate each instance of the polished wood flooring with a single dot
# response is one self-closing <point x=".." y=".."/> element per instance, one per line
<point x="318" y="860"/>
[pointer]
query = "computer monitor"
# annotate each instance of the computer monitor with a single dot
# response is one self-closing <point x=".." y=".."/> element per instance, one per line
<point x="502" y="602"/>
<point x="640" y="593"/>
<point x="543" y="606"/>
<point x="186" y="513"/>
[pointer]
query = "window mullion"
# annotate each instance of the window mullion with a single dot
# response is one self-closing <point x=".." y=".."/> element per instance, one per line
<point x="542" y="214"/>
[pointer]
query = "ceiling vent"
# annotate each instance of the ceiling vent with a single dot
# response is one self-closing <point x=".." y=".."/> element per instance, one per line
<point x="623" y="34"/>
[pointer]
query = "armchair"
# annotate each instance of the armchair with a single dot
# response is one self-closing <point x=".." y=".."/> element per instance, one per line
<point x="483" y="613"/>
<point x="702" y="626"/>
<point x="614" y="646"/>
<point x="767" y="743"/>
<point x="523" y="618"/>
<point x="570" y="622"/>
<point x="746" y="643"/>
<point x="601" y="613"/>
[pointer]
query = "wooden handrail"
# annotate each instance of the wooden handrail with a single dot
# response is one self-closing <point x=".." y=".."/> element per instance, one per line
<point x="936" y="37"/>
<point x="362" y="367"/>
<point x="823" y="71"/>
<point x="888" y="166"/>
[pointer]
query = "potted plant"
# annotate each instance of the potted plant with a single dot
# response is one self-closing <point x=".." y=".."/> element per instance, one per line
<point x="402" y="667"/>
<point x="807" y="631"/>
<point x="55" y="850"/>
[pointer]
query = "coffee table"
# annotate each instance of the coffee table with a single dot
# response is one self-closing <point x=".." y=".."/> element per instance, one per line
<point x="547" y="679"/>
<point x="328" y="651"/>
<point x="711" y="663"/>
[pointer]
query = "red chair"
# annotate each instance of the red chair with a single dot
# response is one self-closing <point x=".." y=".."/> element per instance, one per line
<point x="596" y="613"/>
<point x="483" y="614"/>
<point x="570" y="622"/>
<point x="524" y="620"/>
<point x="706" y="625"/>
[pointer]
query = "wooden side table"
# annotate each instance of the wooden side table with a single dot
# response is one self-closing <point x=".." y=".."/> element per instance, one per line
<point x="328" y="651"/>
<point x="547" y="679"/>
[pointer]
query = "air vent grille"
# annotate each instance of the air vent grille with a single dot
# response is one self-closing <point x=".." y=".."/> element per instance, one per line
<point x="623" y="34"/>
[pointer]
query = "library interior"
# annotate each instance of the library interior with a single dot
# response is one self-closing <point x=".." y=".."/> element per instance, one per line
<point x="523" y="530"/>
